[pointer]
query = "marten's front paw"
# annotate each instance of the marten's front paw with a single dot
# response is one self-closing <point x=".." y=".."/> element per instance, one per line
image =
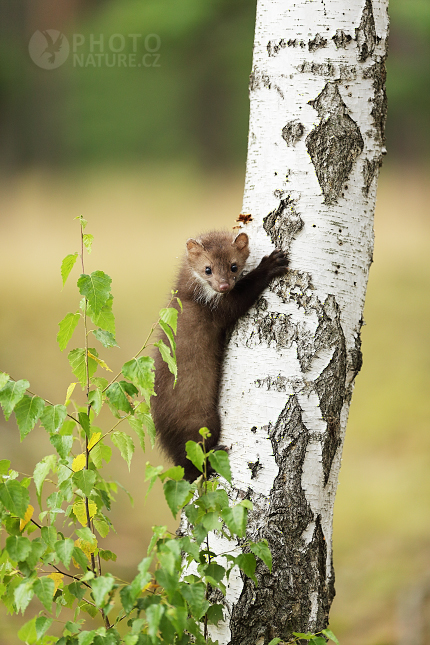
<point x="276" y="263"/>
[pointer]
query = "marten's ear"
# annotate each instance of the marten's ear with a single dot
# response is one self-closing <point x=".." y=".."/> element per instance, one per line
<point x="241" y="241"/>
<point x="194" y="247"/>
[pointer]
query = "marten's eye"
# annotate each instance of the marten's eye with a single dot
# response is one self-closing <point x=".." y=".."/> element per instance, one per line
<point x="234" y="268"/>
<point x="208" y="271"/>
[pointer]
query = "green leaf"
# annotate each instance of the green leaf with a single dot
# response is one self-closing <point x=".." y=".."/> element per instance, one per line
<point x="107" y="555"/>
<point x="306" y="636"/>
<point x="4" y="466"/>
<point x="246" y="562"/>
<point x="10" y="394"/>
<point x="211" y="521"/>
<point x="169" y="315"/>
<point x="275" y="641"/>
<point x="214" y="614"/>
<point x="27" y="412"/>
<point x="153" y="616"/>
<point x="87" y="239"/>
<point x="95" y="399"/>
<point x="235" y="518"/>
<point x="86" y="637"/>
<point x="262" y="551"/>
<point x="195" y="454"/>
<point x="67" y="265"/>
<point x="140" y="371"/>
<point x="62" y="444"/>
<point x="19" y="548"/>
<point x="215" y="571"/>
<point x="105" y="338"/>
<point x="84" y="421"/>
<point x="23" y="594"/>
<point x="44" y="589"/>
<point x="125" y="445"/>
<point x="14" y="497"/>
<point x="167" y="357"/>
<point x="41" y="472"/>
<point x="101" y="526"/>
<point x="96" y="289"/>
<point x="330" y="635"/>
<point x="28" y="633"/>
<point x="49" y="535"/>
<point x="64" y="549"/>
<point x="148" y="422"/>
<point x="80" y="558"/>
<point x="42" y="625"/>
<point x="195" y="595"/>
<point x="118" y="393"/>
<point x="77" y="363"/>
<point x="170" y="337"/>
<point x="100" y="587"/>
<point x="176" y="493"/>
<point x="53" y="417"/>
<point x="99" y="452"/>
<point x="318" y="640"/>
<point x="176" y="473"/>
<point x="105" y="318"/>
<point x="85" y="480"/>
<point x="67" y="327"/>
<point x="221" y="464"/>
<point x="137" y="426"/>
<point x="4" y="378"/>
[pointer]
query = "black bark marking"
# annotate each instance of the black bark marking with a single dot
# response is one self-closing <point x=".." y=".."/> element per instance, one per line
<point x="329" y="70"/>
<point x="271" y="327"/>
<point x="281" y="602"/>
<point x="334" y="144"/>
<point x="341" y="39"/>
<point x="278" y="383"/>
<point x="293" y="132"/>
<point x="273" y="48"/>
<point x="283" y="224"/>
<point x="365" y="34"/>
<point x="356" y="355"/>
<point x="317" y="43"/>
<point x="379" y="110"/>
<point x="255" y="468"/>
<point x="370" y="171"/>
<point x="257" y="79"/>
<point x="331" y="383"/>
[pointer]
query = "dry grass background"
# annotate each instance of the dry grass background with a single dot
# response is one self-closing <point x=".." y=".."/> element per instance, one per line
<point x="140" y="219"/>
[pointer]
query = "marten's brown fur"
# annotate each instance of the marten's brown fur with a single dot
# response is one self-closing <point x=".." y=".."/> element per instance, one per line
<point x="214" y="297"/>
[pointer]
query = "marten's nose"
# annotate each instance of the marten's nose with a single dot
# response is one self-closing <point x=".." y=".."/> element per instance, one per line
<point x="223" y="286"/>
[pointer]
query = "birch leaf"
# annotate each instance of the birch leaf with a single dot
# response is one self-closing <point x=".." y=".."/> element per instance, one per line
<point x="10" y="394"/>
<point x="27" y="411"/>
<point x="67" y="265"/>
<point x="96" y="289"/>
<point x="67" y="327"/>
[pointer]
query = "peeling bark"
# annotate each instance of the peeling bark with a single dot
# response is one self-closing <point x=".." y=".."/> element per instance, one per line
<point x="316" y="141"/>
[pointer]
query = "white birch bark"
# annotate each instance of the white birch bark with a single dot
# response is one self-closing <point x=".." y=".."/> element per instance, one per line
<point x="316" y="141"/>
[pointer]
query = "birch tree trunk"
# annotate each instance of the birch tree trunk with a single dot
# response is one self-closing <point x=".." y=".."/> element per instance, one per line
<point x="316" y="141"/>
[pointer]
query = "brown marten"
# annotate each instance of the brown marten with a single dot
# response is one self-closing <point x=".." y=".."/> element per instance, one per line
<point x="214" y="296"/>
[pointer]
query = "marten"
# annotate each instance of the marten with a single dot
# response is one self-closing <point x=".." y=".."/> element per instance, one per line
<point x="214" y="296"/>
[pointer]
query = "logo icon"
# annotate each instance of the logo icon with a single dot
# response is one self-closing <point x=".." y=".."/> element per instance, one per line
<point x="48" y="49"/>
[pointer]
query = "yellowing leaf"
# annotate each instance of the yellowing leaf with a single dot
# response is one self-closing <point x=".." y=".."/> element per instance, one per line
<point x="57" y="578"/>
<point x="87" y="547"/>
<point x="69" y="392"/>
<point x="79" y="462"/>
<point x="151" y="586"/>
<point x="81" y="513"/>
<point x="94" y="439"/>
<point x="99" y="361"/>
<point x="27" y="517"/>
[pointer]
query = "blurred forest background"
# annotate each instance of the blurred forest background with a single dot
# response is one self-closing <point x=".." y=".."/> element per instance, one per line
<point x="153" y="154"/>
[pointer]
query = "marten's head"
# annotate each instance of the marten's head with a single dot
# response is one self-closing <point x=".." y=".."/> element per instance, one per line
<point x="216" y="260"/>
